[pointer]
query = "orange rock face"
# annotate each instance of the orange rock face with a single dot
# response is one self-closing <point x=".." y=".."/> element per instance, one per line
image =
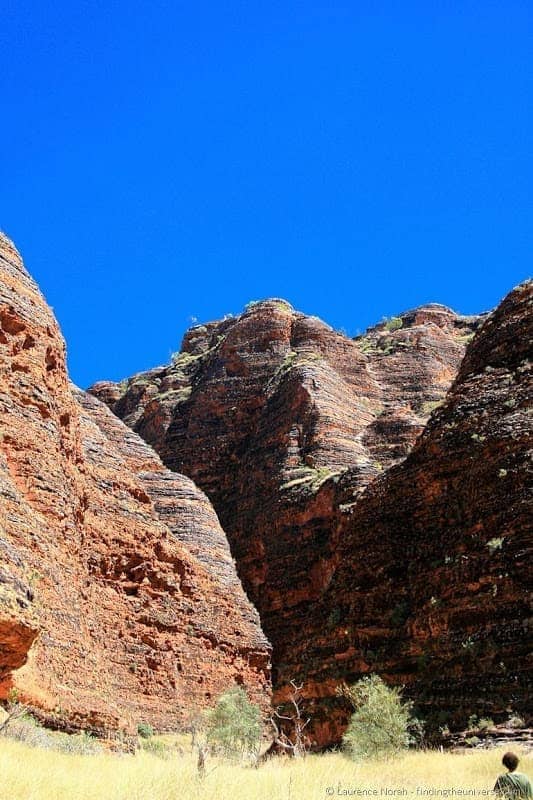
<point x="296" y="432"/>
<point x="374" y="494"/>
<point x="119" y="602"/>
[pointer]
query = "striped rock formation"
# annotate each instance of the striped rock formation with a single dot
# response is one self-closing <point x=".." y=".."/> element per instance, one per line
<point x="119" y="601"/>
<point x="353" y="521"/>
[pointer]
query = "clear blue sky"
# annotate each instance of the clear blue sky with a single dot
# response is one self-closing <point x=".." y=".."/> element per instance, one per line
<point x="168" y="160"/>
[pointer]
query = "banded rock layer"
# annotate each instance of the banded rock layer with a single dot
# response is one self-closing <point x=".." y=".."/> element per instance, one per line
<point x="119" y="602"/>
<point x="432" y="584"/>
<point x="285" y="423"/>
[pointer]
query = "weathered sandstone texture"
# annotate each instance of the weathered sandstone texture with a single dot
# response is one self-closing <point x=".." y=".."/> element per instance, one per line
<point x="358" y="559"/>
<point x="119" y="601"/>
<point x="432" y="584"/>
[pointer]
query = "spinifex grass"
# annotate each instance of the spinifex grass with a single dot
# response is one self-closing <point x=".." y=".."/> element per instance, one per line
<point x="33" y="774"/>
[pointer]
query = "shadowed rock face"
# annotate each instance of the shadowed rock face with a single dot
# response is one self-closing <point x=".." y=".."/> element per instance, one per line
<point x="119" y="602"/>
<point x="431" y="587"/>
<point x="285" y="423"/>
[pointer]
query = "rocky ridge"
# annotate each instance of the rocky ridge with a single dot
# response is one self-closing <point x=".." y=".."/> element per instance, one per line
<point x="431" y="586"/>
<point x="119" y="601"/>
<point x="361" y="553"/>
<point x="375" y="493"/>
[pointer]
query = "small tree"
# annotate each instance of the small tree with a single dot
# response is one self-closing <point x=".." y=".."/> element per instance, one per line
<point x="296" y="742"/>
<point x="234" y="725"/>
<point x="381" y="721"/>
<point x="14" y="710"/>
<point x="195" y="724"/>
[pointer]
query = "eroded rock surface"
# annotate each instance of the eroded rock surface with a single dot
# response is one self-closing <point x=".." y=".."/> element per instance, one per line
<point x="119" y="602"/>
<point x="432" y="587"/>
<point x="299" y="436"/>
<point x="473" y="470"/>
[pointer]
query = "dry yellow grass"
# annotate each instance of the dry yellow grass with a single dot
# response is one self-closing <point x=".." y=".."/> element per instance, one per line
<point x="33" y="774"/>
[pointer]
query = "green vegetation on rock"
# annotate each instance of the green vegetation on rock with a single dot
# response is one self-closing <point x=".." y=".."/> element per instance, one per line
<point x="393" y="324"/>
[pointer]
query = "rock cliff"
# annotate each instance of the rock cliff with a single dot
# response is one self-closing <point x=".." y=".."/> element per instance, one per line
<point x="374" y="492"/>
<point x="431" y="586"/>
<point x="119" y="601"/>
<point x="361" y="553"/>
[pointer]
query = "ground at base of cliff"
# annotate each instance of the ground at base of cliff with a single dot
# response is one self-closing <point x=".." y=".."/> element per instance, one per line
<point x="36" y="774"/>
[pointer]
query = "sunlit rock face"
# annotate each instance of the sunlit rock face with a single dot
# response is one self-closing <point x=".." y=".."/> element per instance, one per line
<point x="119" y="601"/>
<point x="366" y="536"/>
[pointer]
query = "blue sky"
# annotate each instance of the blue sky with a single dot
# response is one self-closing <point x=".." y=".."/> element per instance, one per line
<point x="165" y="161"/>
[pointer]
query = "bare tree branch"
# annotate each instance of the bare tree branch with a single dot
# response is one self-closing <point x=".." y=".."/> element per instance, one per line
<point x="14" y="711"/>
<point x="297" y="744"/>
